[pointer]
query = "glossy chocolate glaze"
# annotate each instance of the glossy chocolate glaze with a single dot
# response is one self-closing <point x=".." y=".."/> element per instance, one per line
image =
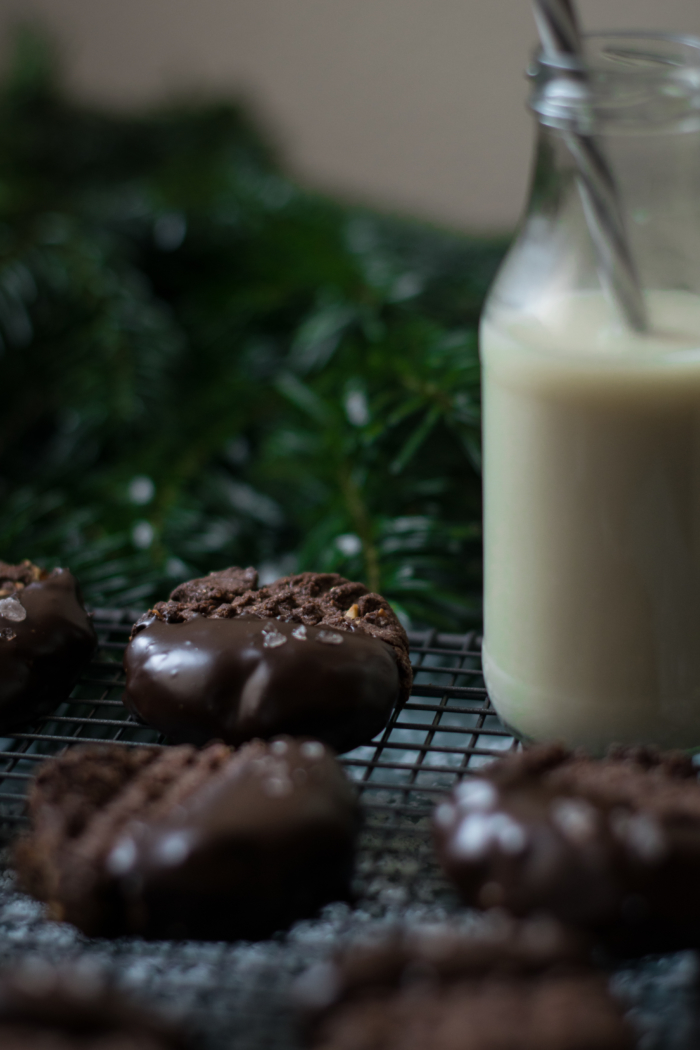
<point x="46" y="638"/>
<point x="611" y="845"/>
<point x="236" y="679"/>
<point x="267" y="840"/>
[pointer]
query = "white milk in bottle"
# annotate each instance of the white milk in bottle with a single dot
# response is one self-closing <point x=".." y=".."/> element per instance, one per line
<point x="592" y="522"/>
<point x="592" y="432"/>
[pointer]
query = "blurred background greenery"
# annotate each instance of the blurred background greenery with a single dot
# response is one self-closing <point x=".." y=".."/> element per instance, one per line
<point x="203" y="364"/>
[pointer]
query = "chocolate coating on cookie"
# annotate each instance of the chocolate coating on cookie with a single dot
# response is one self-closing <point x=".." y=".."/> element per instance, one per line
<point x="311" y="654"/>
<point x="46" y="638"/>
<point x="599" y="843"/>
<point x="248" y="677"/>
<point x="44" y="1009"/>
<point x="524" y="986"/>
<point x="174" y="842"/>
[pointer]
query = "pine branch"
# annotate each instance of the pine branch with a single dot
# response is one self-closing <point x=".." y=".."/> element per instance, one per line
<point x="204" y="364"/>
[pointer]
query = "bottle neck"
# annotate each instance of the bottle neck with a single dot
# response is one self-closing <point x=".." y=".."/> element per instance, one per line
<point x="639" y="96"/>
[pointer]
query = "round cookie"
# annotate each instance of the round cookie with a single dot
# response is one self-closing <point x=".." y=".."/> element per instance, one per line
<point x="312" y="654"/>
<point x="609" y="844"/>
<point x="177" y="843"/>
<point x="46" y="638"/>
<point x="520" y="986"/>
<point x="44" y="1009"/>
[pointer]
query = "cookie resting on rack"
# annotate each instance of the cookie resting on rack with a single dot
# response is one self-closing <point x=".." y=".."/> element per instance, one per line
<point x="507" y="986"/>
<point x="309" y="655"/>
<point x="177" y="843"/>
<point x="609" y="844"/>
<point x="44" y="1009"/>
<point x="46" y="638"/>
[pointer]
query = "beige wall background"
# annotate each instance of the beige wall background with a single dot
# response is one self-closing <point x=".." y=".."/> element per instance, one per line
<point x="414" y="105"/>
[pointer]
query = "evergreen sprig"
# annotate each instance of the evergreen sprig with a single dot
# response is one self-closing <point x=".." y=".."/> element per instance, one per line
<point x="204" y="364"/>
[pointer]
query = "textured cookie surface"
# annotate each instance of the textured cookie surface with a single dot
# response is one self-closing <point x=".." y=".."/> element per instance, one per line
<point x="46" y="638"/>
<point x="175" y="842"/>
<point x="594" y="842"/>
<point x="518" y="986"/>
<point x="42" y="1009"/>
<point x="310" y="654"/>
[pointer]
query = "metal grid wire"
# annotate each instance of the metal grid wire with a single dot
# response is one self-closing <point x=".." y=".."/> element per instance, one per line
<point x="236" y="996"/>
<point x="446" y="728"/>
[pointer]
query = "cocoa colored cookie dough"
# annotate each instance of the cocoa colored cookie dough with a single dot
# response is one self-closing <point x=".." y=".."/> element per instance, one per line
<point x="610" y="844"/>
<point x="312" y="654"/>
<point x="42" y="1009"/>
<point x="46" y="638"/>
<point x="514" y="986"/>
<point x="176" y="843"/>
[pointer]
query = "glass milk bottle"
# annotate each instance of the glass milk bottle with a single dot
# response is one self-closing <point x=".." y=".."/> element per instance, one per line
<point x="591" y="430"/>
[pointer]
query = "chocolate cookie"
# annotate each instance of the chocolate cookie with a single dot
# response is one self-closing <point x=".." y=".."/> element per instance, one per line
<point x="516" y="986"/>
<point x="46" y="638"/>
<point x="42" y="1009"/>
<point x="611" y="844"/>
<point x="174" y="842"/>
<point x="308" y="655"/>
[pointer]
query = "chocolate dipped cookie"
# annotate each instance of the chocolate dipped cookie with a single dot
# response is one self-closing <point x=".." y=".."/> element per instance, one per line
<point x="312" y="655"/>
<point x="42" y="1009"/>
<point x="177" y="843"/>
<point x="609" y="844"/>
<point x="46" y="638"/>
<point x="512" y="986"/>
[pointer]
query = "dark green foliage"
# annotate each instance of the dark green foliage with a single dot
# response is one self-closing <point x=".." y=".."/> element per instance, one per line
<point x="202" y="364"/>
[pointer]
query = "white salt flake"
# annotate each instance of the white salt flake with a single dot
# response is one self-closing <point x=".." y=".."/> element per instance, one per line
<point x="272" y="638"/>
<point x="476" y="795"/>
<point x="122" y="858"/>
<point x="512" y="837"/>
<point x="640" y="833"/>
<point x="174" y="848"/>
<point x="278" y="787"/>
<point x="481" y="832"/>
<point x="575" y="818"/>
<point x="12" y="609"/>
<point x="444" y="815"/>
<point x="474" y="837"/>
<point x="329" y="637"/>
<point x="300" y="633"/>
<point x="312" y="749"/>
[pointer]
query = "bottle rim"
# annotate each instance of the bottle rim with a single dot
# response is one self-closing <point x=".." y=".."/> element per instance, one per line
<point x="631" y="63"/>
<point x="630" y="81"/>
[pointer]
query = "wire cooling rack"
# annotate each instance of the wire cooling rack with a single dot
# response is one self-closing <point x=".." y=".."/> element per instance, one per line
<point x="236" y="996"/>
<point x="446" y="728"/>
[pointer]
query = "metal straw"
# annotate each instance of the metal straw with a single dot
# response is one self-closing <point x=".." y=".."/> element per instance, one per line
<point x="559" y="32"/>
